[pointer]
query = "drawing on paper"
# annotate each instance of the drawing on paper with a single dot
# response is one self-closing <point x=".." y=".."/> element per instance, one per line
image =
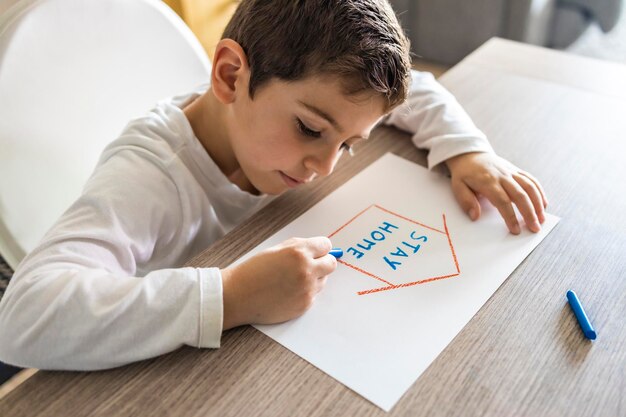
<point x="396" y="251"/>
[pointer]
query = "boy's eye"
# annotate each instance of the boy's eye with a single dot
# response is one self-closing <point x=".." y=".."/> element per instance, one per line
<point x="306" y="131"/>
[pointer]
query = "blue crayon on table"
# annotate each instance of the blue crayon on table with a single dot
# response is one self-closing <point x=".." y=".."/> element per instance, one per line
<point x="583" y="320"/>
<point x="336" y="252"/>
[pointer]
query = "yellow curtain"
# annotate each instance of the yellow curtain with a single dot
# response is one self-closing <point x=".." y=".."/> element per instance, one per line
<point x="206" y="18"/>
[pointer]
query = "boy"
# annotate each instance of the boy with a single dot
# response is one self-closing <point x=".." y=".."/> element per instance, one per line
<point x="294" y="83"/>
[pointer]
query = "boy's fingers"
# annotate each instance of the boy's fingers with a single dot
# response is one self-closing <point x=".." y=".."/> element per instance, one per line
<point x="318" y="246"/>
<point x="321" y="283"/>
<point x="538" y="185"/>
<point x="466" y="199"/>
<point x="502" y="202"/>
<point x="535" y="195"/>
<point x="325" y="265"/>
<point x="523" y="203"/>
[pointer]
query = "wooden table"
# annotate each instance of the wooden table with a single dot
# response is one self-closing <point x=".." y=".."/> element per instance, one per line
<point x="562" y="118"/>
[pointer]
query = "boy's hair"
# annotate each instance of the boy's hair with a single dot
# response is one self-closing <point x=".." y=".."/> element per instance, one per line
<point x="360" y="41"/>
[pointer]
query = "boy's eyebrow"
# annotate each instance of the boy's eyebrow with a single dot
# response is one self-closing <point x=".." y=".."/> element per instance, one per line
<point x="322" y="114"/>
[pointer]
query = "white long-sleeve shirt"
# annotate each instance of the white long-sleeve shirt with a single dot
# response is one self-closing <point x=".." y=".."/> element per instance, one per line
<point x="106" y="285"/>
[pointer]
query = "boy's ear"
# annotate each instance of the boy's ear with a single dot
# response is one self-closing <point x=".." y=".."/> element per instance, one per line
<point x="230" y="73"/>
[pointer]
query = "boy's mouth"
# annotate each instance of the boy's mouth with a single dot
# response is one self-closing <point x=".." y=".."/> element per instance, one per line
<point x="290" y="181"/>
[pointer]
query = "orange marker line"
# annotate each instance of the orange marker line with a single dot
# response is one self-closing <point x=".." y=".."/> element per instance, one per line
<point x="456" y="262"/>
<point x="408" y="284"/>
<point x="364" y="272"/>
<point x="349" y="221"/>
<point x="409" y="220"/>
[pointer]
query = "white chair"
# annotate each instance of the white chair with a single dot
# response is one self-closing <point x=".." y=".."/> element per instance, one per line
<point x="72" y="73"/>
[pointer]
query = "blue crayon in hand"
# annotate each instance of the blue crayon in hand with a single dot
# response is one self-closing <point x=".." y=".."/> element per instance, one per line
<point x="583" y="320"/>
<point x="336" y="252"/>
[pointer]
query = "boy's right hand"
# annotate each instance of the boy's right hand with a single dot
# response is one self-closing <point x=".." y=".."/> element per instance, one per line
<point x="277" y="284"/>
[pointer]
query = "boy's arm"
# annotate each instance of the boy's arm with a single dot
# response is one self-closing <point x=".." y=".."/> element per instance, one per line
<point x="437" y="121"/>
<point x="439" y="124"/>
<point x="83" y="301"/>
<point x="78" y="301"/>
<point x="70" y="318"/>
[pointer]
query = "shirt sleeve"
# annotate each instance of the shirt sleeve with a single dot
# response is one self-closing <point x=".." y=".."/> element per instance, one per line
<point x="97" y="292"/>
<point x="436" y="121"/>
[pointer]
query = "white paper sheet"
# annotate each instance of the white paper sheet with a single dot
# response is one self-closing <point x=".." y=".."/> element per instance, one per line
<point x="421" y="273"/>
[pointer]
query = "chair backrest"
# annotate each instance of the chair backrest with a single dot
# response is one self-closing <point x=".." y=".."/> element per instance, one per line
<point x="72" y="74"/>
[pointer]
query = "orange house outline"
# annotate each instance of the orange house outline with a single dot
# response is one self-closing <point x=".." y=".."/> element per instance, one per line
<point x="389" y="285"/>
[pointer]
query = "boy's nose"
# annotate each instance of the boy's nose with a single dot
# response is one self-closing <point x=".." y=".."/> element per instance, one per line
<point x="324" y="163"/>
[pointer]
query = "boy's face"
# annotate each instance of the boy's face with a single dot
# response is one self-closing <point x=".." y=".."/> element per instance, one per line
<point x="293" y="132"/>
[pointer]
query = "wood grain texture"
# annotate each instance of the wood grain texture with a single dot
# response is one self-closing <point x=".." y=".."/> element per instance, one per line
<point x="523" y="353"/>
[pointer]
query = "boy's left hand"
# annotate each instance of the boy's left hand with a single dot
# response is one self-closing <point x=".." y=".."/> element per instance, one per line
<point x="502" y="183"/>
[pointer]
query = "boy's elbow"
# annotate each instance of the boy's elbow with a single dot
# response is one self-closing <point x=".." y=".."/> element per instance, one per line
<point x="18" y="345"/>
<point x="10" y="354"/>
<point x="18" y="320"/>
<point x="10" y="350"/>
